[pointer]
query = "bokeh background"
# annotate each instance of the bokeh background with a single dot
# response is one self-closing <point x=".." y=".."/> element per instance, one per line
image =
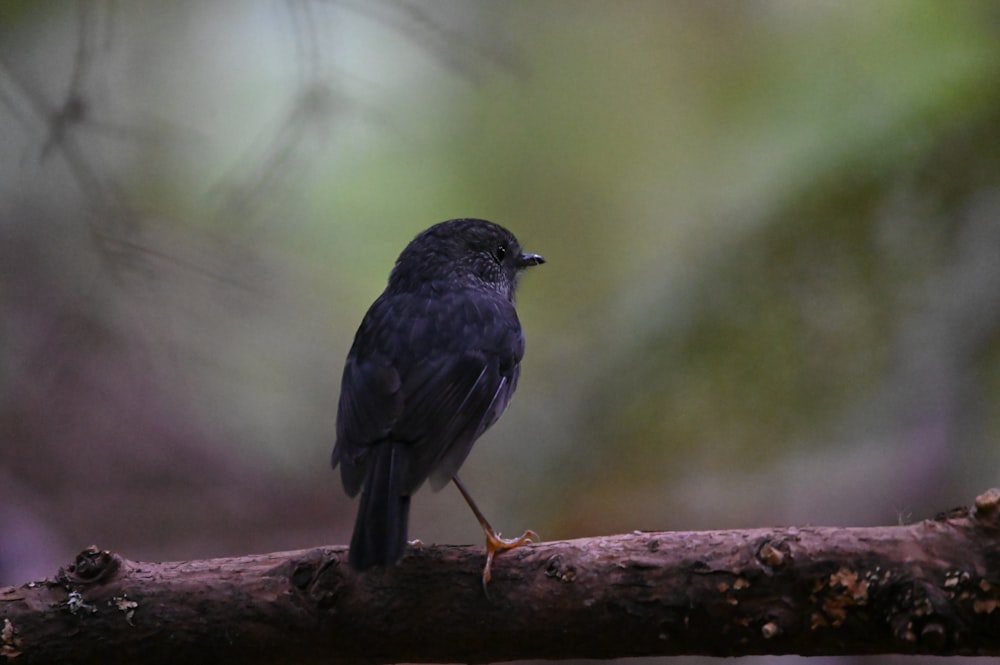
<point x="772" y="228"/>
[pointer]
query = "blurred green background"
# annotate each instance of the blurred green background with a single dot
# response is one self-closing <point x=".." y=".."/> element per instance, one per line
<point x="772" y="228"/>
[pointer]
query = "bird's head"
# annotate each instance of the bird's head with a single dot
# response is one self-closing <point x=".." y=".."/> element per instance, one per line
<point x="464" y="253"/>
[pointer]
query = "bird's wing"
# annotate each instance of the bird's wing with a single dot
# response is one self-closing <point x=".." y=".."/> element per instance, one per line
<point x="432" y="374"/>
<point x="370" y="396"/>
<point x="450" y="402"/>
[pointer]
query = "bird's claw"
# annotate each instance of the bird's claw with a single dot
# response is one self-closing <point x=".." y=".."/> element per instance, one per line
<point x="494" y="544"/>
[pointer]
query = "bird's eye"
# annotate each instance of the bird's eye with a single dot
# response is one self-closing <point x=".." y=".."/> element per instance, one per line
<point x="499" y="253"/>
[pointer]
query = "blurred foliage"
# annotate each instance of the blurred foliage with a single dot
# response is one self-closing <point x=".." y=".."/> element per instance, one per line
<point x="771" y="229"/>
<point x="788" y="337"/>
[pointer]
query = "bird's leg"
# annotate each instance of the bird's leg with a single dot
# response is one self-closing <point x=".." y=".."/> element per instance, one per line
<point x="494" y="543"/>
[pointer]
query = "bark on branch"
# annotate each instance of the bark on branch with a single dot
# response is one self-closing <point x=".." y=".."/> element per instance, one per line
<point x="932" y="587"/>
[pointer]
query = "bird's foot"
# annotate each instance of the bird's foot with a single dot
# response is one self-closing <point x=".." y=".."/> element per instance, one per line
<point x="494" y="544"/>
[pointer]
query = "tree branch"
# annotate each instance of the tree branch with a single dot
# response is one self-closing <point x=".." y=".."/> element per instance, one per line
<point x="932" y="587"/>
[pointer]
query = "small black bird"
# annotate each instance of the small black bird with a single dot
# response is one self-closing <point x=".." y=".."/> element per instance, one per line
<point x="433" y="365"/>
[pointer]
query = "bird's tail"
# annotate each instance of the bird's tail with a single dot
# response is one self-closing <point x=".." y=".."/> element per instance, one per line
<point x="380" y="529"/>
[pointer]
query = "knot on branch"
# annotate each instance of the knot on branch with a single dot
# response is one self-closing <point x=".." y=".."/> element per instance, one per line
<point x="91" y="566"/>
<point x="987" y="508"/>
<point x="315" y="574"/>
<point x="923" y="615"/>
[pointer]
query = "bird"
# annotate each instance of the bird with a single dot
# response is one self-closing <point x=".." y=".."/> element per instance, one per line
<point x="433" y="365"/>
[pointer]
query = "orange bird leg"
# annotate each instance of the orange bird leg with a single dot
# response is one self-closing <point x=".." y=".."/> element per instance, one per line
<point x="494" y="543"/>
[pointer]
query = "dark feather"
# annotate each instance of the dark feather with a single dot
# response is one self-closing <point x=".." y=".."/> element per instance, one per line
<point x="433" y="365"/>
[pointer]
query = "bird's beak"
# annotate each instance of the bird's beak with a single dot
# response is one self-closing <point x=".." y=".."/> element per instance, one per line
<point x="530" y="260"/>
